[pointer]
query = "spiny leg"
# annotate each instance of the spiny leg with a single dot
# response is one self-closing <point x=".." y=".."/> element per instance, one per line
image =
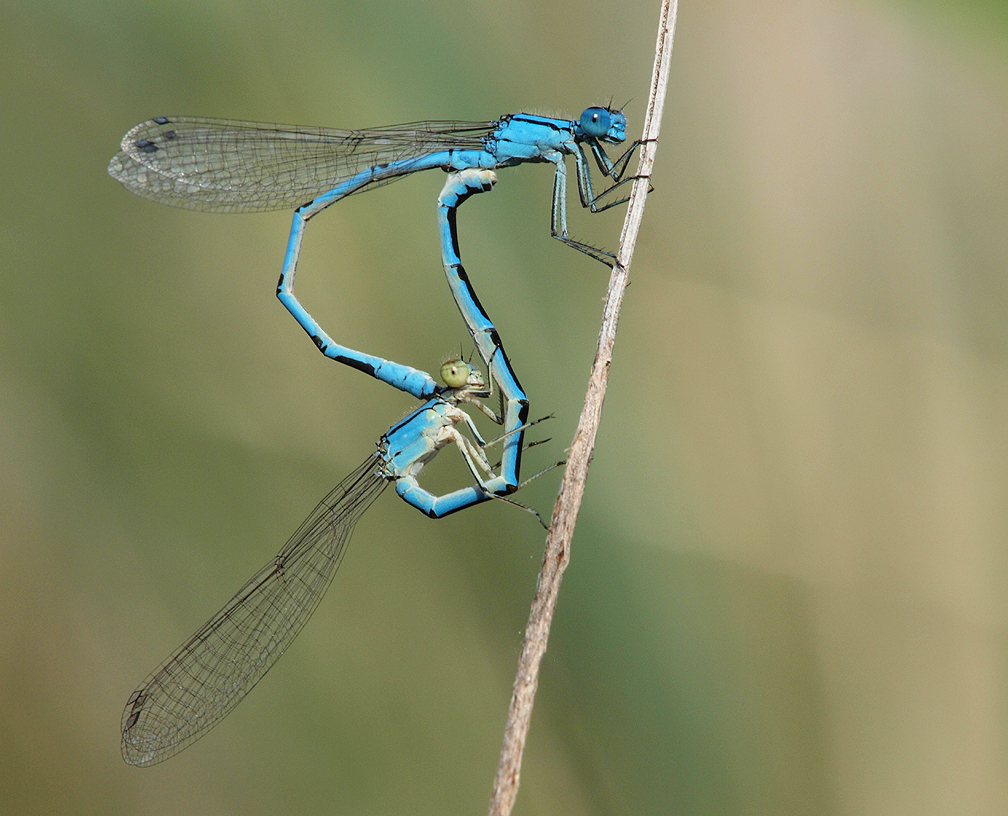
<point x="590" y="201"/>
<point x="558" y="214"/>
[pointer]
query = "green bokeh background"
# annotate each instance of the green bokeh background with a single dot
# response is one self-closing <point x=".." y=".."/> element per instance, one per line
<point x="788" y="585"/>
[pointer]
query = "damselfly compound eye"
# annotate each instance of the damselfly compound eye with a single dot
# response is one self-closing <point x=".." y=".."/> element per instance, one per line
<point x="455" y="373"/>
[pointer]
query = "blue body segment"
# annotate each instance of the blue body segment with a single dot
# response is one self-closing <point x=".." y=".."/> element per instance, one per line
<point x="406" y="378"/>
<point x="515" y="404"/>
<point x="209" y="674"/>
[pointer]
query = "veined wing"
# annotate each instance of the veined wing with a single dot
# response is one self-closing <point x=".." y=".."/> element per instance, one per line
<point x="220" y="165"/>
<point x="211" y="673"/>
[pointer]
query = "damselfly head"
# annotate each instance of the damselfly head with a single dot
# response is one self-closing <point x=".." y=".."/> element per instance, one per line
<point x="457" y="373"/>
<point x="603" y="124"/>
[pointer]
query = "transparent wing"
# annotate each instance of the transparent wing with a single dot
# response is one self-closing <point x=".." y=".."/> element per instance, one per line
<point x="220" y="165"/>
<point x="211" y="673"/>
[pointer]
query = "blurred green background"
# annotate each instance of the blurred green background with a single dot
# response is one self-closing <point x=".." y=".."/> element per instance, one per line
<point x="788" y="585"/>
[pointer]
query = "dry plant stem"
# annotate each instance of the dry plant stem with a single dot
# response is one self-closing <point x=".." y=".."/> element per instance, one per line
<point x="565" y="511"/>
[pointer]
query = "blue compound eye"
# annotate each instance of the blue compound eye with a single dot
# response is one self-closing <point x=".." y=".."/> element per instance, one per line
<point x="595" y="122"/>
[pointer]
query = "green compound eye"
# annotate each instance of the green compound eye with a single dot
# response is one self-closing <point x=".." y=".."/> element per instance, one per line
<point x="455" y="373"/>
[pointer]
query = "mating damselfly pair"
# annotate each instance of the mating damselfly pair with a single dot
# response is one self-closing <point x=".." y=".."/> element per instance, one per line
<point x="228" y="166"/>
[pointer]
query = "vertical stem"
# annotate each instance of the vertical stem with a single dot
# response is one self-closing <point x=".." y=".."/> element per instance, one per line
<point x="568" y="503"/>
